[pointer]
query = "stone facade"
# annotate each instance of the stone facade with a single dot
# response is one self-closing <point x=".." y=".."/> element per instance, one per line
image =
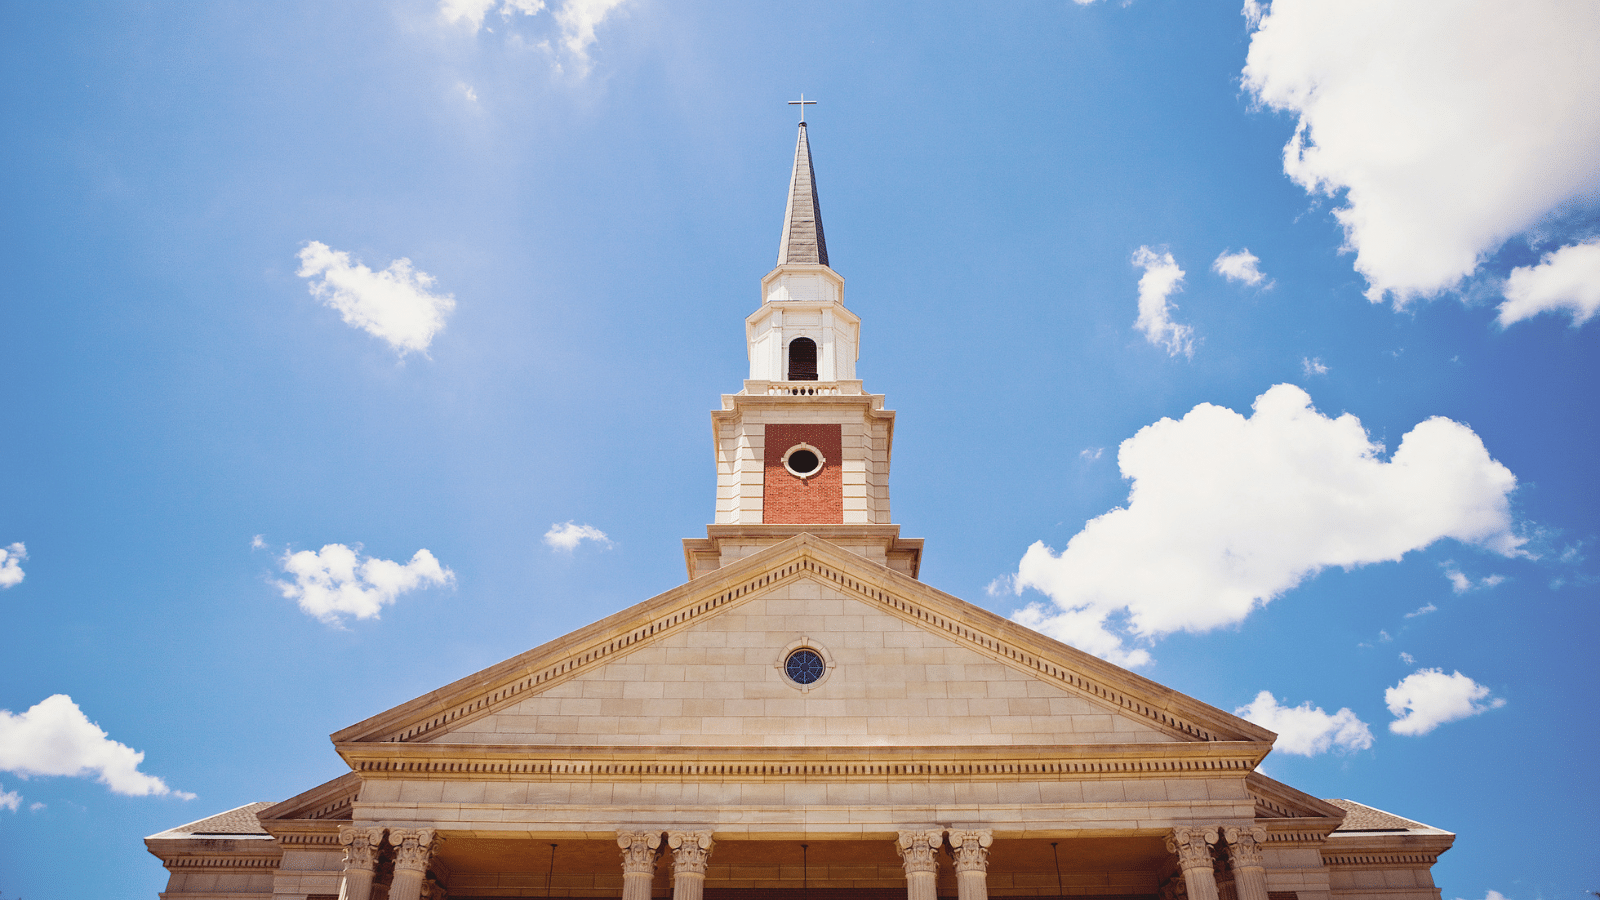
<point x="803" y="718"/>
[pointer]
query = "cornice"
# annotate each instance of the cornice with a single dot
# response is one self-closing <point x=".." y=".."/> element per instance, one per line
<point x="520" y="762"/>
<point x="1276" y="800"/>
<point x="804" y="556"/>
<point x="330" y="801"/>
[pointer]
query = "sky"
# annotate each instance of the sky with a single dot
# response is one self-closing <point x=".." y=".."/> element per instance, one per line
<point x="348" y="349"/>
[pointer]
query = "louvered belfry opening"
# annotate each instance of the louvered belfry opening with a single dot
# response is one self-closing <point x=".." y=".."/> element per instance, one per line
<point x="802" y="359"/>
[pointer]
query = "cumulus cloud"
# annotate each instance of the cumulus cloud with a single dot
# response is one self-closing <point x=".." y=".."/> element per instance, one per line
<point x="1306" y="730"/>
<point x="1448" y="127"/>
<point x="1407" y="658"/>
<point x="567" y="536"/>
<point x="579" y="19"/>
<point x="1227" y="512"/>
<point x="1428" y="698"/>
<point x="397" y="304"/>
<point x="1461" y="583"/>
<point x="1161" y="279"/>
<point x="11" y="558"/>
<point x="337" y="581"/>
<point x="10" y="800"/>
<point x="54" y="737"/>
<point x="1313" y="366"/>
<point x="1566" y="280"/>
<point x="1243" y="266"/>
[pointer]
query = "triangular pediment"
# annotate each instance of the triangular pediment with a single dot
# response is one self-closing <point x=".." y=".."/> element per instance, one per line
<point x="700" y="666"/>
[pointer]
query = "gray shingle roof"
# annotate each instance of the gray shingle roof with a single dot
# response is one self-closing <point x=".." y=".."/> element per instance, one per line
<point x="1360" y="817"/>
<point x="235" y="821"/>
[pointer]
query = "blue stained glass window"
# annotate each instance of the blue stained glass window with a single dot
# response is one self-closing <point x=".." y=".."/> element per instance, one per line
<point x="803" y="666"/>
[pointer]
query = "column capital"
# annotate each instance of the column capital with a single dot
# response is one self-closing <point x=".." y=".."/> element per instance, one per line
<point x="1192" y="844"/>
<point x="639" y="851"/>
<point x="919" y="849"/>
<point x="413" y="847"/>
<point x="690" y="851"/>
<point x="1244" y="845"/>
<point x="970" y="846"/>
<point x="361" y="845"/>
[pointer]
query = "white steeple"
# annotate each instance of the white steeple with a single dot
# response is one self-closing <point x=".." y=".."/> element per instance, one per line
<point x="802" y="299"/>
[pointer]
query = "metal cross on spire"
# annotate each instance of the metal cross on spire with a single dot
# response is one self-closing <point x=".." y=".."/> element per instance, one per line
<point x="802" y="103"/>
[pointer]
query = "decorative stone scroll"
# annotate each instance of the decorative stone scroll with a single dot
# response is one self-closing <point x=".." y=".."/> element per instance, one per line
<point x="1244" y="854"/>
<point x="1192" y="844"/>
<point x="360" y="860"/>
<point x="691" y="850"/>
<point x="413" y="848"/>
<point x="919" y="854"/>
<point x="970" y="847"/>
<point x="640" y="850"/>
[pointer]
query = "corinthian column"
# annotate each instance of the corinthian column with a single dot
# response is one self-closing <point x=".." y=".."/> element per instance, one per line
<point x="690" y="851"/>
<point x="360" y="859"/>
<point x="1244" y="852"/>
<point x="413" y="847"/>
<point x="638" y="862"/>
<point x="1193" y="847"/>
<point x="919" y="854"/>
<point x="971" y="849"/>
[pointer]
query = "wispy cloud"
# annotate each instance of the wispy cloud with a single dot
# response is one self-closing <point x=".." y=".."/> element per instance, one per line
<point x="397" y="304"/>
<point x="1243" y="267"/>
<point x="1428" y="698"/>
<point x="337" y="581"/>
<point x="54" y="737"/>
<point x="1422" y="611"/>
<point x="10" y="800"/>
<point x="1091" y="453"/>
<point x="1313" y="366"/>
<point x="11" y="558"/>
<point x="1567" y="280"/>
<point x="1227" y="512"/>
<point x="1461" y="583"/>
<point x="1306" y="730"/>
<point x="576" y="20"/>
<point x="1161" y="279"/>
<point x="1445" y="129"/>
<point x="566" y="536"/>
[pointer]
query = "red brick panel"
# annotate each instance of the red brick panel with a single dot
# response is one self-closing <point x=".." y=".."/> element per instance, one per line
<point x="818" y="500"/>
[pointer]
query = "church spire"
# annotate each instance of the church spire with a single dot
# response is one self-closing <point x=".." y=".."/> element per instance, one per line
<point x="802" y="240"/>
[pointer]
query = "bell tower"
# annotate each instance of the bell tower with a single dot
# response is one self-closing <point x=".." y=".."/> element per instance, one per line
<point x="802" y="448"/>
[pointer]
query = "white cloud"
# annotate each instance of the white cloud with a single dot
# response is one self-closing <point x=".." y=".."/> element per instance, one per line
<point x="473" y="11"/>
<point x="1461" y="583"/>
<point x="1423" y="610"/>
<point x="1161" y="279"/>
<point x="11" y="558"/>
<point x="10" y="800"/>
<point x="1242" y="266"/>
<point x="1449" y="127"/>
<point x="1306" y="730"/>
<point x="56" y="738"/>
<point x="1226" y="513"/>
<point x="1428" y="698"/>
<point x="1313" y="366"/>
<point x="336" y="581"/>
<point x="578" y="20"/>
<point x="1566" y="280"/>
<point x="1091" y="453"/>
<point x="567" y="536"/>
<point x="467" y="91"/>
<point x="1492" y="895"/>
<point x="1407" y="658"/>
<point x="259" y="542"/>
<point x="396" y="304"/>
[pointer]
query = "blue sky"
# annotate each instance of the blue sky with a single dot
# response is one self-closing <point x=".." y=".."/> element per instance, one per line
<point x="1363" y="484"/>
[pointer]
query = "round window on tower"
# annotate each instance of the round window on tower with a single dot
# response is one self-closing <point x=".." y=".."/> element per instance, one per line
<point x="804" y="666"/>
<point x="803" y="460"/>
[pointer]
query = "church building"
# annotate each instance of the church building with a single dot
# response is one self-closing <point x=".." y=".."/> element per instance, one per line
<point x="803" y="719"/>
